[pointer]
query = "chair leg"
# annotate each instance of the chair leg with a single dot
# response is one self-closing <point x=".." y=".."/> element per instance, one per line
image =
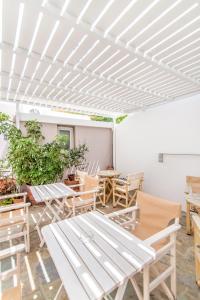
<point x="188" y="220"/>
<point x="173" y="264"/>
<point x="146" y="279"/>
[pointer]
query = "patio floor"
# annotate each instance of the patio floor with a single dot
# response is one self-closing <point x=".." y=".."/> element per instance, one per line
<point x="40" y="280"/>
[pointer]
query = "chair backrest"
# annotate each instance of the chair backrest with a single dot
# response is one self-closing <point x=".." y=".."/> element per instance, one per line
<point x="193" y="184"/>
<point x="11" y="293"/>
<point x="156" y="213"/>
<point x="90" y="183"/>
<point x="81" y="175"/>
<point x="135" y="181"/>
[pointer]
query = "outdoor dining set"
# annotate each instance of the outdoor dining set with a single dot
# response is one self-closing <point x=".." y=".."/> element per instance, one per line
<point x="97" y="254"/>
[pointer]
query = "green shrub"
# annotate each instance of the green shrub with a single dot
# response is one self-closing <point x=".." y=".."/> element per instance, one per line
<point x="35" y="163"/>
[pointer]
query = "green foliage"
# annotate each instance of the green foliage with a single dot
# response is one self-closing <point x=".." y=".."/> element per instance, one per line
<point x="101" y="119"/>
<point x="3" y="117"/>
<point x="120" y="119"/>
<point x="32" y="162"/>
<point x="77" y="155"/>
<point x="33" y="130"/>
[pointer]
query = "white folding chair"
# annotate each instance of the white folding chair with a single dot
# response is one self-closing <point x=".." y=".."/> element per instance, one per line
<point x="157" y="226"/>
<point x="13" y="293"/>
<point x="85" y="199"/>
<point x="125" y="191"/>
<point x="14" y="220"/>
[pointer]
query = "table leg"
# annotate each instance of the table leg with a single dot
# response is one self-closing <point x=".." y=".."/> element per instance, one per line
<point x="57" y="296"/>
<point x="55" y="218"/>
<point x="188" y="220"/>
<point x="121" y="290"/>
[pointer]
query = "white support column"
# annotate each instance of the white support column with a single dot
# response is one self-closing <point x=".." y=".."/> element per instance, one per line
<point x="114" y="144"/>
<point x="17" y="117"/>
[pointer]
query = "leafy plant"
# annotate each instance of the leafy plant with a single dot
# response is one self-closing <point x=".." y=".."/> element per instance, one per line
<point x="101" y="119"/>
<point x="120" y="119"/>
<point x="7" y="186"/>
<point x="77" y="155"/>
<point x="32" y="162"/>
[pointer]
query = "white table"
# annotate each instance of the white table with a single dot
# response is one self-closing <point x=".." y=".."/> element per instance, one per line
<point x="94" y="256"/>
<point x="54" y="196"/>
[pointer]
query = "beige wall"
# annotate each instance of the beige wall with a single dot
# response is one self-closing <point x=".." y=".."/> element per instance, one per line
<point x="49" y="131"/>
<point x="98" y="140"/>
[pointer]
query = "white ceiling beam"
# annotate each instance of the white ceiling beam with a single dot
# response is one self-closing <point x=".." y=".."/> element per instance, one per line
<point x="70" y="107"/>
<point x="54" y="12"/>
<point x="53" y="86"/>
<point x="67" y="67"/>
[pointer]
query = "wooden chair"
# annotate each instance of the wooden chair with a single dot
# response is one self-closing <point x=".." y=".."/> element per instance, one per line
<point x="192" y="199"/>
<point x="85" y="199"/>
<point x="14" y="220"/>
<point x="101" y="194"/>
<point x="125" y="191"/>
<point x="196" y="226"/>
<point x="157" y="226"/>
<point x="15" y="292"/>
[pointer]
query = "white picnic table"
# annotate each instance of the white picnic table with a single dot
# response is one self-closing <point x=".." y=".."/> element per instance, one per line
<point x="94" y="256"/>
<point x="54" y="196"/>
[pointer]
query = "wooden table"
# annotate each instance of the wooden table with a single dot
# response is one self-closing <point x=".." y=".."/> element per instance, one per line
<point x="94" y="256"/>
<point x="196" y="226"/>
<point x="109" y="175"/>
<point x="192" y="200"/>
<point x="54" y="196"/>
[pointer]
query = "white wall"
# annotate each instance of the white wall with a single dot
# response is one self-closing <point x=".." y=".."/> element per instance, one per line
<point x="171" y="128"/>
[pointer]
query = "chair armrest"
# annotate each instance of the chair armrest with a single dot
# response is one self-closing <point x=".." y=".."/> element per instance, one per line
<point x="11" y="251"/>
<point x="162" y="234"/>
<point x="121" y="181"/>
<point x="12" y="196"/>
<point x="123" y="212"/>
<point x="196" y="220"/>
<point x="76" y="185"/>
<point x="13" y="206"/>
<point x="86" y="192"/>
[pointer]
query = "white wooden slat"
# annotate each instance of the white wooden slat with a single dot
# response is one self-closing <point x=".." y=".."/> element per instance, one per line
<point x="70" y="280"/>
<point x="95" y="267"/>
<point x="120" y="247"/>
<point x="55" y="193"/>
<point x="62" y="187"/>
<point x="42" y="193"/>
<point x="35" y="194"/>
<point x="48" y="194"/>
<point x="88" y="281"/>
<point x="119" y="263"/>
<point x="122" y="236"/>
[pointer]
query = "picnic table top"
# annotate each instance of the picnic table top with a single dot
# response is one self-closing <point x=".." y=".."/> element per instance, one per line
<point x="51" y="191"/>
<point x="93" y="255"/>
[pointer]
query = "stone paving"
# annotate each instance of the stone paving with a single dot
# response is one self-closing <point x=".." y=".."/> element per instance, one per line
<point x="40" y="280"/>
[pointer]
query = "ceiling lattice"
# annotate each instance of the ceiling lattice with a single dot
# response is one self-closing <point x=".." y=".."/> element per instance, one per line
<point x="99" y="55"/>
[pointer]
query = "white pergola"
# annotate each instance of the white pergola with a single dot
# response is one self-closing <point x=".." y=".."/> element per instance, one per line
<point x="99" y="56"/>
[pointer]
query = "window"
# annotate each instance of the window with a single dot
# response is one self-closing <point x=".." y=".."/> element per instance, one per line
<point x="69" y="133"/>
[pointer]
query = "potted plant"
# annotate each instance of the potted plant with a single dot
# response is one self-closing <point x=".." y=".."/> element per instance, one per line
<point x="32" y="161"/>
<point x="76" y="158"/>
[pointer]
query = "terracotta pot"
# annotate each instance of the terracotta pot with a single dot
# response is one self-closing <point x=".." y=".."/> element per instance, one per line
<point x="72" y="182"/>
<point x="26" y="188"/>
<point x="18" y="200"/>
<point x="71" y="177"/>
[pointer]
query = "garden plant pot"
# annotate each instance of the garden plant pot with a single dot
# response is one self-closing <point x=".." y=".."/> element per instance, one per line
<point x="71" y="177"/>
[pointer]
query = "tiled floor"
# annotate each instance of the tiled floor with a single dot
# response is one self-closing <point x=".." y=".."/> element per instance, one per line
<point x="40" y="280"/>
